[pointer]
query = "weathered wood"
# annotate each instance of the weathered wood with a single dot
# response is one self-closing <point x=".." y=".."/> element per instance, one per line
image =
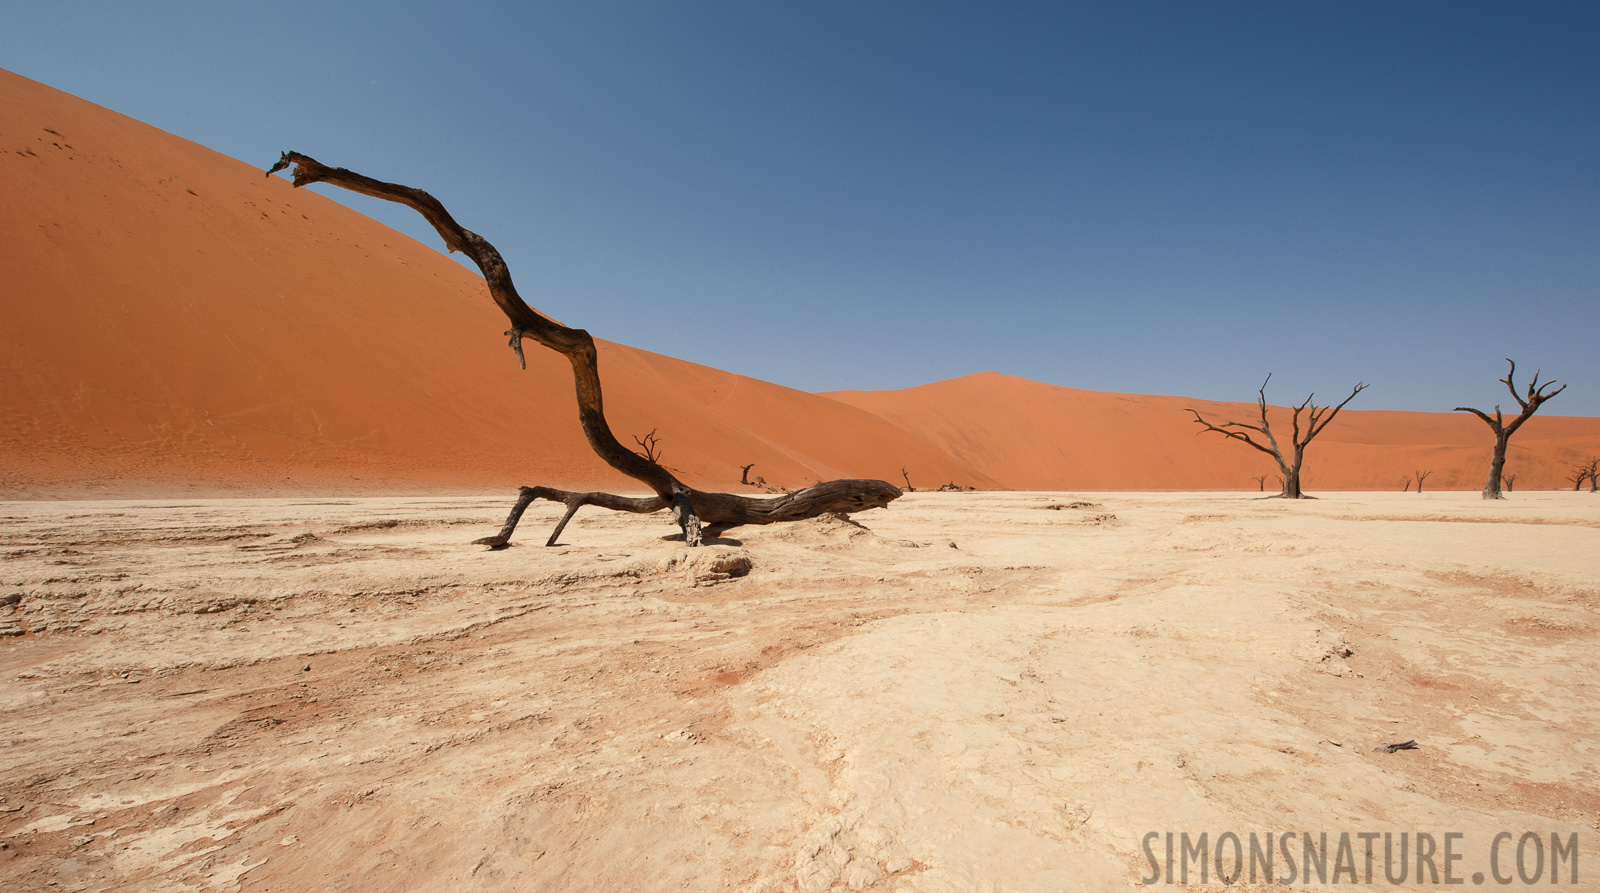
<point x="573" y="500"/>
<point x="691" y="508"/>
<point x="1502" y="431"/>
<point x="1289" y="468"/>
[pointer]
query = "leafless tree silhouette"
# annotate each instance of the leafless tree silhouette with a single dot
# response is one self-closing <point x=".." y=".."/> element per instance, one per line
<point x="1502" y="431"/>
<point x="1588" y="471"/>
<point x="1422" y="476"/>
<point x="1289" y="467"/>
<point x="1577" y="476"/>
<point x="651" y="446"/>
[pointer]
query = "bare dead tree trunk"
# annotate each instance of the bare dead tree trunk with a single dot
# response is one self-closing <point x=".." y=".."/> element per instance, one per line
<point x="1261" y="482"/>
<point x="1502" y="431"/>
<point x="744" y="474"/>
<point x="1592" y="469"/>
<point x="1422" y="476"/>
<point x="1407" y="481"/>
<point x="909" y="488"/>
<point x="691" y="508"/>
<point x="1578" y="476"/>
<point x="1510" y="480"/>
<point x="1289" y="468"/>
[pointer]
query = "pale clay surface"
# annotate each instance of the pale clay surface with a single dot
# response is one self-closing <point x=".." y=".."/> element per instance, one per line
<point x="817" y="706"/>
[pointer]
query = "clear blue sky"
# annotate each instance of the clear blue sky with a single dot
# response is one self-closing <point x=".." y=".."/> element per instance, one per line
<point x="1170" y="198"/>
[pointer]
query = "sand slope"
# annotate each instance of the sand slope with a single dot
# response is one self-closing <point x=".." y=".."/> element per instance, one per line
<point x="173" y="319"/>
<point x="1029" y="435"/>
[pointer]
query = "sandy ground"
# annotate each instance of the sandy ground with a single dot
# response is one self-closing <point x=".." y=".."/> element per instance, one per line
<point x="986" y="692"/>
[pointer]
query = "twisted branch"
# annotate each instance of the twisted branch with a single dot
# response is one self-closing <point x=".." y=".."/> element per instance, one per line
<point x="690" y="508"/>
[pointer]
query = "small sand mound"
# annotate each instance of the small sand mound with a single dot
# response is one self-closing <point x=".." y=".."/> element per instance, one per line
<point x="707" y="565"/>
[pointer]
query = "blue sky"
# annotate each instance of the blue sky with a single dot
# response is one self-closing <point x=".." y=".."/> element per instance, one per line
<point x="1169" y="198"/>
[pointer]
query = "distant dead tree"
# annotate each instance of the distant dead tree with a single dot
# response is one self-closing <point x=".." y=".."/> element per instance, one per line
<point x="697" y="512"/>
<point x="744" y="474"/>
<point x="1578" y="476"/>
<point x="1422" y="476"/>
<point x="1593" y="470"/>
<point x="651" y="446"/>
<point x="1261" y="482"/>
<point x="1407" y="481"/>
<point x="1510" y="480"/>
<point x="1502" y="431"/>
<point x="1316" y="420"/>
<point x="909" y="488"/>
<point x="1585" y="471"/>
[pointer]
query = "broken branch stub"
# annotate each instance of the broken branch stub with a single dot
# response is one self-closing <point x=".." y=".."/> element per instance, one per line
<point x="692" y="509"/>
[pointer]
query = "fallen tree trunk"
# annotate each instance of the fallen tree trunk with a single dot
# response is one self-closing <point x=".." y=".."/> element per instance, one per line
<point x="692" y="509"/>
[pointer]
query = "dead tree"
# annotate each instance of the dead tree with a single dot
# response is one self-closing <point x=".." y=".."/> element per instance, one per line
<point x="1422" y="476"/>
<point x="1407" y="481"/>
<point x="1289" y="468"/>
<point x="697" y="512"/>
<point x="909" y="488"/>
<point x="744" y="474"/>
<point x="1502" y="431"/>
<point x="1578" y="476"/>
<point x="1510" y="481"/>
<point x="651" y="446"/>
<point x="1261" y="482"/>
<point x="1592" y="469"/>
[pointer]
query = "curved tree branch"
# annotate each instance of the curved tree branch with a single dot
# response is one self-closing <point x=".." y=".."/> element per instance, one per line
<point x="691" y="508"/>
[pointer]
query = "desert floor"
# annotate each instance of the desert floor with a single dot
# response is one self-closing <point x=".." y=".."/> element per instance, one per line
<point x="984" y="691"/>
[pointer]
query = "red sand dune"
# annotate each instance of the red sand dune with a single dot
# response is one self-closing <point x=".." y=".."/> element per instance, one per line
<point x="171" y="320"/>
<point x="1034" y="436"/>
<point x="175" y="320"/>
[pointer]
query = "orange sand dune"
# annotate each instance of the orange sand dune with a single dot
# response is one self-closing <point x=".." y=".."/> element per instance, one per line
<point x="1029" y="435"/>
<point x="172" y="319"/>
